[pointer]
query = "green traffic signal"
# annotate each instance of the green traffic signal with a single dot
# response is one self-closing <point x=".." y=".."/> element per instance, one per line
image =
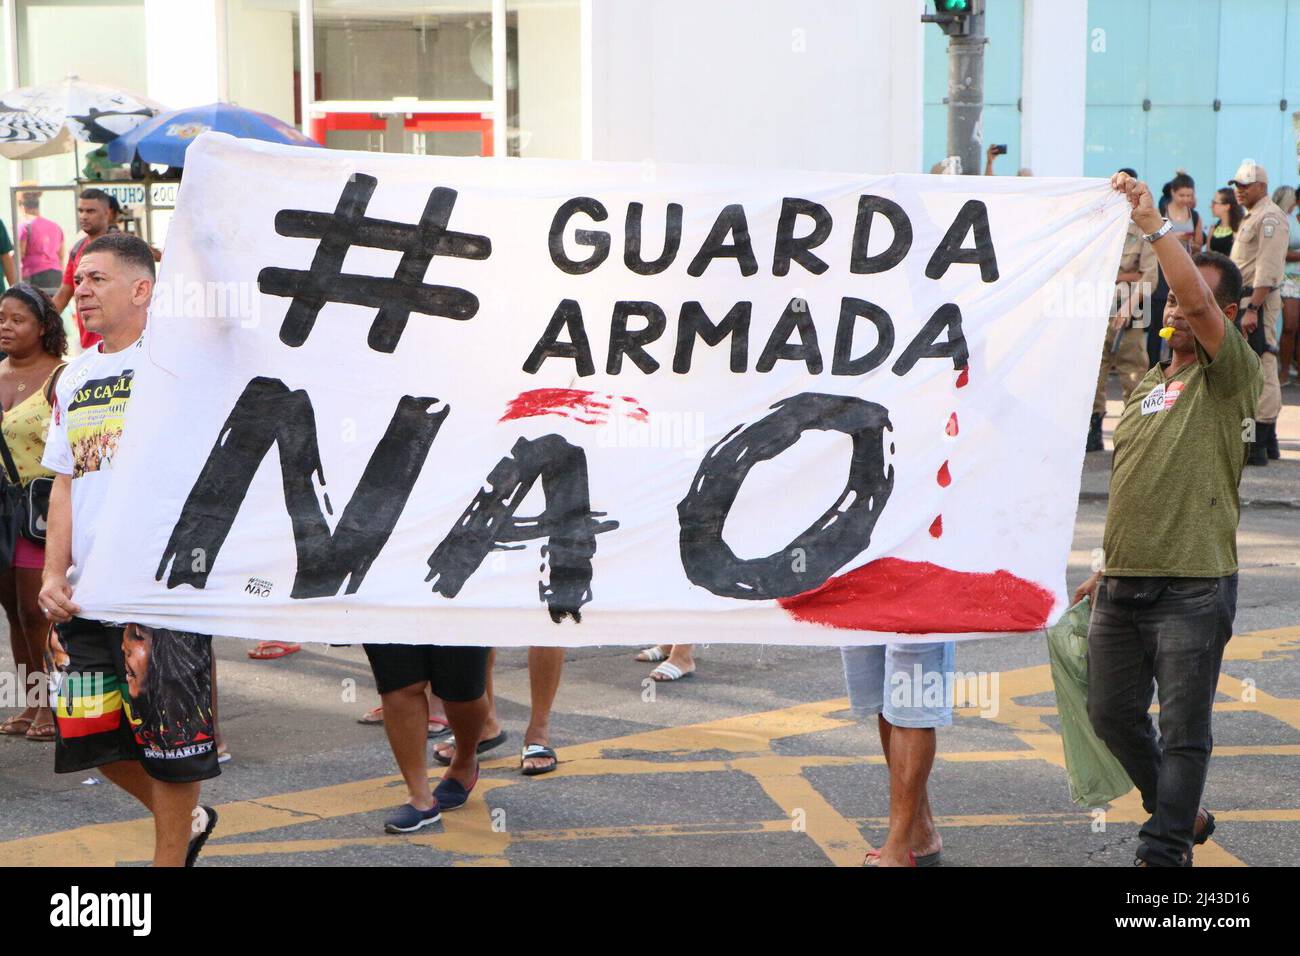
<point x="955" y="17"/>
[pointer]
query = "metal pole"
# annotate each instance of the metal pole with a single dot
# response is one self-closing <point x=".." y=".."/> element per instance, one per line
<point x="966" y="97"/>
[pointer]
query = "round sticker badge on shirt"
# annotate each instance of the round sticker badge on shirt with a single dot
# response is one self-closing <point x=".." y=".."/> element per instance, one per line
<point x="1162" y="397"/>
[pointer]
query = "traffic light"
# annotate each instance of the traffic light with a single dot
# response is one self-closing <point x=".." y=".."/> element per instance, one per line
<point x="954" y="16"/>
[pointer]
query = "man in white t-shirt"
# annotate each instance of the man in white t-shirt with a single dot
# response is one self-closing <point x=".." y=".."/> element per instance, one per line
<point x="133" y="702"/>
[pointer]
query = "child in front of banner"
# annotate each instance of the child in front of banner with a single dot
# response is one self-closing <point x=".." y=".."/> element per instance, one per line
<point x="133" y="702"/>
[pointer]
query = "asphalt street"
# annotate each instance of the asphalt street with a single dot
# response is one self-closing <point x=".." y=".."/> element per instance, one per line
<point x="753" y="761"/>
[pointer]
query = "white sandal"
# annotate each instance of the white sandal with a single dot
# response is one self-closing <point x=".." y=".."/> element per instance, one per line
<point x="651" y="655"/>
<point x="670" y="672"/>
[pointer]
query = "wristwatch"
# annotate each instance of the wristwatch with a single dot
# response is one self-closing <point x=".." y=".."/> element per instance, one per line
<point x="1162" y="231"/>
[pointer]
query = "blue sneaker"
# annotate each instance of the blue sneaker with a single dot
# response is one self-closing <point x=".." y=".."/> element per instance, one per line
<point x="407" y="819"/>
<point x="451" y="794"/>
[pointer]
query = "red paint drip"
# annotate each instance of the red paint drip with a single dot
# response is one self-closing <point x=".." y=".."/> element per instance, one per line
<point x="586" y="408"/>
<point x="964" y="378"/>
<point x="936" y="526"/>
<point x="944" y="477"/>
<point x="951" y="427"/>
<point x="917" y="597"/>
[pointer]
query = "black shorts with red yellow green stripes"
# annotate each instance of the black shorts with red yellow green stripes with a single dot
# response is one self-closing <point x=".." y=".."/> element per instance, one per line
<point x="134" y="693"/>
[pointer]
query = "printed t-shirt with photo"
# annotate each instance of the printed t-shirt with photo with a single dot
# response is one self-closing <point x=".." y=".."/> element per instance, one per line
<point x="90" y="405"/>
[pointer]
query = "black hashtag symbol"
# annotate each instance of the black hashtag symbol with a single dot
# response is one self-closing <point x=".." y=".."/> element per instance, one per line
<point x="395" y="298"/>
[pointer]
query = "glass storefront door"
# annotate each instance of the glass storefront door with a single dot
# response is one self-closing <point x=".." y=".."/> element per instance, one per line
<point x="417" y="77"/>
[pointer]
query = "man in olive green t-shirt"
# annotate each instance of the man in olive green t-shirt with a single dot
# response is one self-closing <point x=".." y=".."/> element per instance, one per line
<point x="1164" y="604"/>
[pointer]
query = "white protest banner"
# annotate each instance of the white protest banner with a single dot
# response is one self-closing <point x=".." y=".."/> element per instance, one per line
<point x="417" y="399"/>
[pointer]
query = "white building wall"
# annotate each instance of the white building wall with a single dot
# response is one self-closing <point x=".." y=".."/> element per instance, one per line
<point x="259" y="67"/>
<point x="185" y="40"/>
<point x="550" y="62"/>
<point x="202" y="51"/>
<point x="1054" y="87"/>
<point x="822" y="84"/>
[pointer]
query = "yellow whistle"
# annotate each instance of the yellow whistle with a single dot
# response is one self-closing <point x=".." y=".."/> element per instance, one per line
<point x="1167" y="332"/>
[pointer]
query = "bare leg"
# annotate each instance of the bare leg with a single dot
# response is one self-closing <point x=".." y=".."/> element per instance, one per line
<point x="172" y="806"/>
<point x="436" y="710"/>
<point x="467" y="719"/>
<point x="488" y="729"/>
<point x="544" y="667"/>
<point x="34" y="628"/>
<point x="925" y="835"/>
<point x="17" y="637"/>
<point x="173" y="819"/>
<point x="406" y="722"/>
<point x="130" y="776"/>
<point x="493" y="726"/>
<point x="216" y="724"/>
<point x="911" y="755"/>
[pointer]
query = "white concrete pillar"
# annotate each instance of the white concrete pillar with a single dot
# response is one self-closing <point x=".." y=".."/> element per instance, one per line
<point x="905" y="122"/>
<point x="1054" y="87"/>
<point x="185" y="51"/>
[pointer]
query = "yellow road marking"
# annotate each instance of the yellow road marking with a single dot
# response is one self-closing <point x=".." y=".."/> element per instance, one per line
<point x="471" y="836"/>
<point x="807" y="809"/>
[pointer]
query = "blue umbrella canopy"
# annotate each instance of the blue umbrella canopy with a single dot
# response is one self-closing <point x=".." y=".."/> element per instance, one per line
<point x="164" y="139"/>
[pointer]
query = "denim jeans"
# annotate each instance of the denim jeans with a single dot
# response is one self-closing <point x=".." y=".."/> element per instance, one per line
<point x="1174" y="642"/>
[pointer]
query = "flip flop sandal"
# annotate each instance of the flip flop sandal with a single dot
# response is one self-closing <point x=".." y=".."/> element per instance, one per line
<point x="223" y="756"/>
<point x="537" y="752"/>
<point x="373" y="716"/>
<point x="873" y="858"/>
<point x="669" y="672"/>
<point x="16" y="726"/>
<point x="483" y="747"/>
<point x="273" y="650"/>
<point x="200" y="838"/>
<point x="929" y="859"/>
<point x="41" y="732"/>
<point x="651" y="655"/>
<point x="438" y="728"/>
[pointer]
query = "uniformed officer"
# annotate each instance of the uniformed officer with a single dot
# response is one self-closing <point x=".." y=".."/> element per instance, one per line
<point x="1129" y="317"/>
<point x="1260" y="253"/>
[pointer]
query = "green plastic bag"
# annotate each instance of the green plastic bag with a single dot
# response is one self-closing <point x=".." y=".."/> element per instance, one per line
<point x="1096" y="777"/>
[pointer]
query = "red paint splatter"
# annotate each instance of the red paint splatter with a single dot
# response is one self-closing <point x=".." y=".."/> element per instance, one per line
<point x="964" y="378"/>
<point x="951" y="427"/>
<point x="944" y="477"/>
<point x="936" y="526"/>
<point x="586" y="408"/>
<point x="917" y="597"/>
